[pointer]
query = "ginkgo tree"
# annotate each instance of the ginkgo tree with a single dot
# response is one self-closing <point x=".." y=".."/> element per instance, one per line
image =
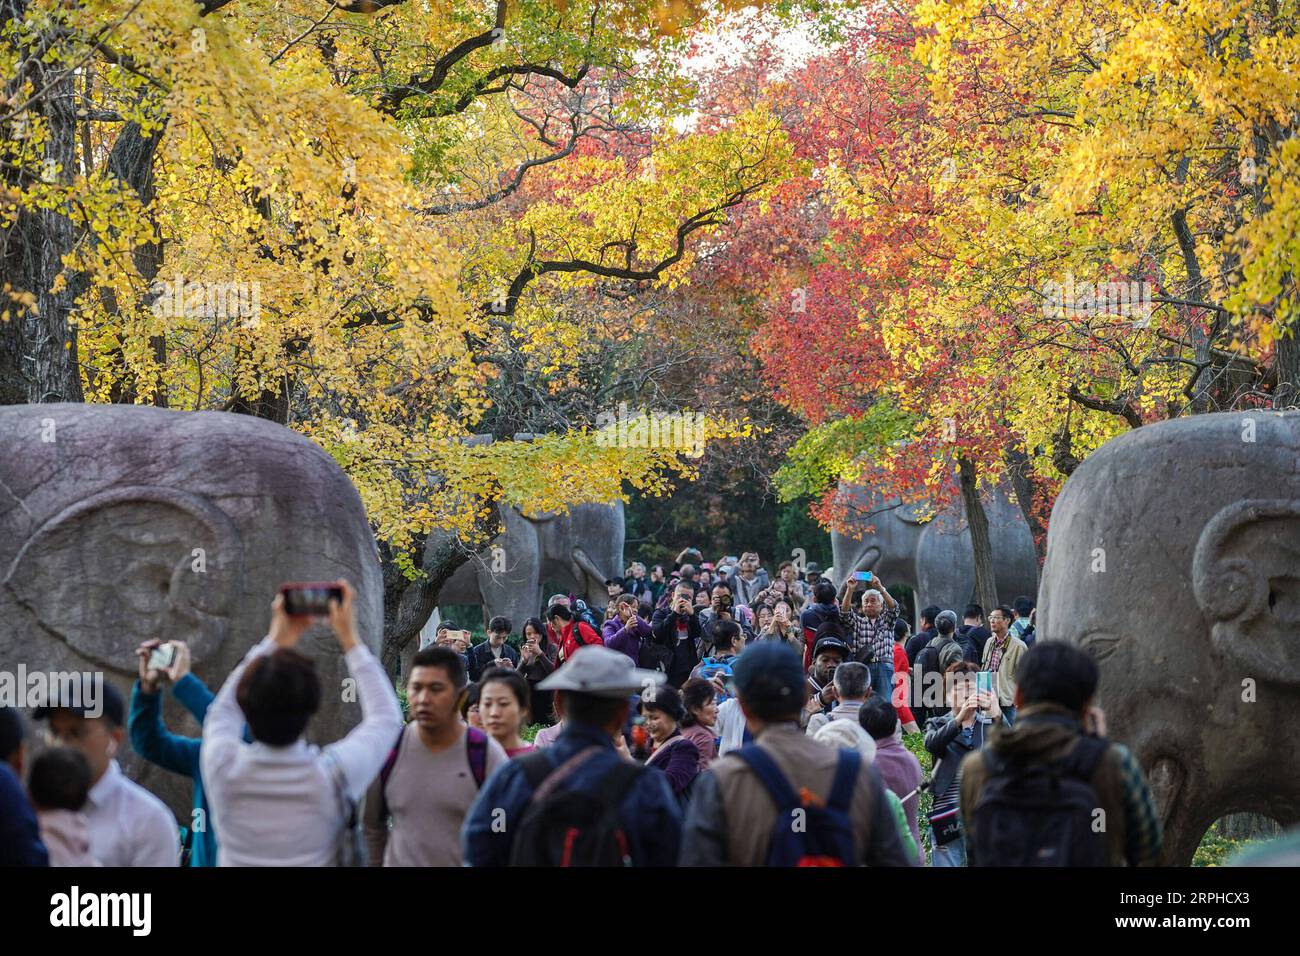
<point x="365" y="221"/>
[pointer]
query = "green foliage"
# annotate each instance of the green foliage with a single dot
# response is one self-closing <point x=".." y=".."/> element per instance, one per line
<point x="1216" y="847"/>
<point x="796" y="529"/>
<point x="826" y="454"/>
<point x="916" y="744"/>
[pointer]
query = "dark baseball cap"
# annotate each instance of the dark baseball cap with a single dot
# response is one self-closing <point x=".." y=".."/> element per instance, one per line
<point x="830" y="643"/>
<point x="104" y="701"/>
<point x="776" y="663"/>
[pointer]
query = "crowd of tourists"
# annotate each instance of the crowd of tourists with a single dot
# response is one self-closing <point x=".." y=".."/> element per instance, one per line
<point x="708" y="714"/>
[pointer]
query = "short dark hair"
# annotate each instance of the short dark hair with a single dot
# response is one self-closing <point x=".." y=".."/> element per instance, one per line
<point x="1057" y="672"/>
<point x="696" y="692"/>
<point x="973" y="610"/>
<point x="1023" y="605"/>
<point x="11" y="732"/>
<point x="960" y="669"/>
<point x="824" y="592"/>
<point x="931" y="612"/>
<point x="725" y="634"/>
<point x="560" y="611"/>
<point x="471" y="698"/>
<point x="945" y="625"/>
<point x="1005" y="611"/>
<point x="504" y="675"/>
<point x="499" y="623"/>
<point x="769" y="699"/>
<point x="444" y="658"/>
<point x="627" y="597"/>
<point x="60" y="779"/>
<point x="878" y="717"/>
<point x="590" y="709"/>
<point x="901" y="630"/>
<point x="278" y="694"/>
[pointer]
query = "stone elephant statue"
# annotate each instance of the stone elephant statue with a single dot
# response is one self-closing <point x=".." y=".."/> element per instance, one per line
<point x="122" y="523"/>
<point x="576" y="551"/>
<point x="934" y="557"/>
<point x="1172" y="557"/>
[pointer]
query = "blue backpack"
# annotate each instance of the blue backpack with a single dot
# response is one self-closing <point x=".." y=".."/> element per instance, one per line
<point x="808" y="831"/>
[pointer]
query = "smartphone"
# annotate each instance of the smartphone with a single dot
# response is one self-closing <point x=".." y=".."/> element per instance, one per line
<point x="983" y="682"/>
<point x="310" y="599"/>
<point x="162" y="657"/>
<point x="862" y="575"/>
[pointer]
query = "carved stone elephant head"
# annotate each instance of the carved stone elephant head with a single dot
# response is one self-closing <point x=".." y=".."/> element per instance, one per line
<point x="934" y="557"/>
<point x="123" y="523"/>
<point x="577" y="550"/>
<point x="1174" y="558"/>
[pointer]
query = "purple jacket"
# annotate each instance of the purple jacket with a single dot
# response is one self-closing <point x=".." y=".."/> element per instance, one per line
<point x="900" y="772"/>
<point x="626" y="639"/>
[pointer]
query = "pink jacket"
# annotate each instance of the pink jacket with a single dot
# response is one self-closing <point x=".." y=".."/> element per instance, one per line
<point x="66" y="834"/>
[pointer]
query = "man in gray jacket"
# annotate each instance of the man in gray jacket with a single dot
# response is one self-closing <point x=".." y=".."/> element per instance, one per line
<point x="732" y="814"/>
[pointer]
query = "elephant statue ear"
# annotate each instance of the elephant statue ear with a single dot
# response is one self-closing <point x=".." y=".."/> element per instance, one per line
<point x="1246" y="576"/>
<point x="131" y="564"/>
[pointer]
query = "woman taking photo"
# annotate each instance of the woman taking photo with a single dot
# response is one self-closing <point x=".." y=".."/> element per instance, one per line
<point x="536" y="662"/>
<point x="503" y="708"/>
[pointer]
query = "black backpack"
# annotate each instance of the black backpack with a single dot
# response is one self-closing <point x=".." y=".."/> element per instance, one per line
<point x="566" y="827"/>
<point x="1040" y="814"/>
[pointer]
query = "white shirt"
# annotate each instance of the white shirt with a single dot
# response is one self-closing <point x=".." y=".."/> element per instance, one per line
<point x="279" y="806"/>
<point x="129" y="826"/>
<point x="730" y="726"/>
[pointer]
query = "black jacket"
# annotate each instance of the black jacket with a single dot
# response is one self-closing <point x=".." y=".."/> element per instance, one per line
<point x="972" y="638"/>
<point x="480" y="658"/>
<point x="918" y="641"/>
<point x="663" y="631"/>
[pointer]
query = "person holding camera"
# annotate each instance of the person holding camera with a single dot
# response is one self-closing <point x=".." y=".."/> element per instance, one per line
<point x="281" y="801"/>
<point x="677" y="629"/>
<point x="871" y="628"/>
<point x="949" y="738"/>
<point x="169" y="662"/>
<point x="494" y="652"/>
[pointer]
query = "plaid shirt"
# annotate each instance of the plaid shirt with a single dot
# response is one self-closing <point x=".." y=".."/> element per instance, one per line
<point x="872" y="640"/>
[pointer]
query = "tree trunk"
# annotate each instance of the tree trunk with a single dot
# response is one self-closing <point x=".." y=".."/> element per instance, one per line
<point x="38" y="348"/>
<point x="1286" y="364"/>
<point x="986" y="592"/>
<point x="1022" y="483"/>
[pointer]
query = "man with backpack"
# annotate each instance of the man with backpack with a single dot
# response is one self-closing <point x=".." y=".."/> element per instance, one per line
<point x="973" y="635"/>
<point x="786" y="799"/>
<point x="435" y="769"/>
<point x="1051" y="791"/>
<point x="579" y="802"/>
<point x="933" y="662"/>
<point x="571" y="632"/>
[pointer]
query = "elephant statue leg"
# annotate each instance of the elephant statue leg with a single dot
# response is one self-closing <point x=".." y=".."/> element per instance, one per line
<point x="508" y="580"/>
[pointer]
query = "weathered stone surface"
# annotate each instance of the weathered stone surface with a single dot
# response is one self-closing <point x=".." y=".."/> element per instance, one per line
<point x="102" y="508"/>
<point x="578" y="551"/>
<point x="934" y="558"/>
<point x="1194" y="619"/>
